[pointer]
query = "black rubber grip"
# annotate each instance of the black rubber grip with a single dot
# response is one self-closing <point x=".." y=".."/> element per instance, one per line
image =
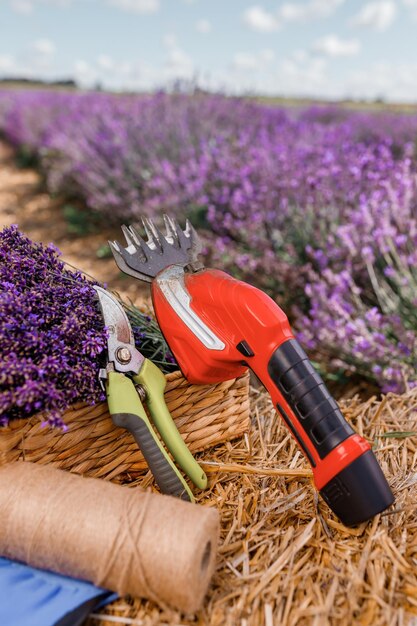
<point x="165" y="476"/>
<point x="359" y="492"/>
<point x="307" y="395"/>
<point x="294" y="431"/>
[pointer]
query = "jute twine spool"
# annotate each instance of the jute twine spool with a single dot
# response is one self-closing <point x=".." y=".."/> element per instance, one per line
<point x="123" y="539"/>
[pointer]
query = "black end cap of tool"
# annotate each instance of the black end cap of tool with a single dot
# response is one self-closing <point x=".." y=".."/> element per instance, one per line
<point x="359" y="492"/>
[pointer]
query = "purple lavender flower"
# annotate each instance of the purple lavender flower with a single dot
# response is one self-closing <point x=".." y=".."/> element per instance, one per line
<point x="50" y="332"/>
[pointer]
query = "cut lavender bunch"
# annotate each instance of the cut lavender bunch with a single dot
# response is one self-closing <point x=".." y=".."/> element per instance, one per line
<point x="51" y="332"/>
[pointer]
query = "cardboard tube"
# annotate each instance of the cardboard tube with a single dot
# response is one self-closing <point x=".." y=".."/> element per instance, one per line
<point x="124" y="539"/>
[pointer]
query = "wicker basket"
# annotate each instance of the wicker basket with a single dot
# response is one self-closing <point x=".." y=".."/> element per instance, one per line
<point x="205" y="415"/>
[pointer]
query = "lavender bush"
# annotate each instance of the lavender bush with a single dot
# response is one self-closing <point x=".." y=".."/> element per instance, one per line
<point x="51" y="332"/>
<point x="363" y="289"/>
<point x="316" y="206"/>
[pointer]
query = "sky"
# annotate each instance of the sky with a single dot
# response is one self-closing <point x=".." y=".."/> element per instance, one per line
<point x="327" y="49"/>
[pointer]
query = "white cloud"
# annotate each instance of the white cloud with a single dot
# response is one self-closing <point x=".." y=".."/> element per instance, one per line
<point x="412" y="5"/>
<point x="177" y="64"/>
<point x="105" y="62"/>
<point x="376" y="15"/>
<point x="125" y="68"/>
<point x="392" y="81"/>
<point x="36" y="60"/>
<point x="302" y="74"/>
<point x="203" y="26"/>
<point x="267" y="55"/>
<point x="169" y="40"/>
<point x="84" y="73"/>
<point x="287" y="77"/>
<point x="81" y="66"/>
<point x="7" y="63"/>
<point x="291" y="11"/>
<point x="258" y="61"/>
<point x="245" y="61"/>
<point x="305" y="78"/>
<point x="113" y="73"/>
<point x="142" y="7"/>
<point x="26" y="7"/>
<point x="258" y="19"/>
<point x="44" y="47"/>
<point x="300" y="55"/>
<point x="334" y="46"/>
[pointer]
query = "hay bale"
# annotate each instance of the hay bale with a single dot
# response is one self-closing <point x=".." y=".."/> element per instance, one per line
<point x="284" y="558"/>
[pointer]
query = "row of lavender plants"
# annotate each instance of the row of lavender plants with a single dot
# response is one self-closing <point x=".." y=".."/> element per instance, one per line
<point x="316" y="206"/>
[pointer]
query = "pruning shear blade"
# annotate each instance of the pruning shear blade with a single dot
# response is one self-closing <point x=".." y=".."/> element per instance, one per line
<point x="121" y="348"/>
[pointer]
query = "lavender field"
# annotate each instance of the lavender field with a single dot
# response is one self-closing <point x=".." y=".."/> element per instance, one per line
<point x="317" y="206"/>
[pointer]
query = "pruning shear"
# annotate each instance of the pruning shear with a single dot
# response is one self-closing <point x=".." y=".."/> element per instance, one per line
<point x="128" y="379"/>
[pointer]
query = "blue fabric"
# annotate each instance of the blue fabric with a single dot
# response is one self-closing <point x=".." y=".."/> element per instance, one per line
<point x="33" y="597"/>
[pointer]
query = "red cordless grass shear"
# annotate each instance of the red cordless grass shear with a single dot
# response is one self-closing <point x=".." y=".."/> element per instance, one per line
<point x="217" y="326"/>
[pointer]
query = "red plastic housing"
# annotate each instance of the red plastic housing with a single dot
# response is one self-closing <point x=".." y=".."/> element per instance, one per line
<point x="235" y="312"/>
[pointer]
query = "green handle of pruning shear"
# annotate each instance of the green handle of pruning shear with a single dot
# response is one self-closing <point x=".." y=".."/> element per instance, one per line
<point x="127" y="412"/>
<point x="153" y="380"/>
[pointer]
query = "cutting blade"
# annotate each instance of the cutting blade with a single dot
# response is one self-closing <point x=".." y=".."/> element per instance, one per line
<point x="121" y="348"/>
<point x="144" y="259"/>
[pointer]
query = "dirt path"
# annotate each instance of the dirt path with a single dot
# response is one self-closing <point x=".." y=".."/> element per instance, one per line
<point x="24" y="202"/>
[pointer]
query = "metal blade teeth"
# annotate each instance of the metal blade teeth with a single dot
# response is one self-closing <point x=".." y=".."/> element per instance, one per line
<point x="181" y="236"/>
<point x="151" y="233"/>
<point x="140" y="244"/>
<point x="156" y="238"/>
<point x="128" y="236"/>
<point x="145" y="259"/>
<point x="114" y="247"/>
<point x="163" y="242"/>
<point x="170" y="230"/>
<point x="191" y="233"/>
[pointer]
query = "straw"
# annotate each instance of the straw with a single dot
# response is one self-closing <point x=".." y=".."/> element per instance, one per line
<point x="284" y="558"/>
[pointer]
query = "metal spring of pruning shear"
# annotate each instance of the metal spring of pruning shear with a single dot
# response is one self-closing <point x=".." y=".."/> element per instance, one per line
<point x="129" y="379"/>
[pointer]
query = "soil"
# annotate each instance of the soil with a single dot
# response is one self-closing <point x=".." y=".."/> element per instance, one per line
<point x="24" y="201"/>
